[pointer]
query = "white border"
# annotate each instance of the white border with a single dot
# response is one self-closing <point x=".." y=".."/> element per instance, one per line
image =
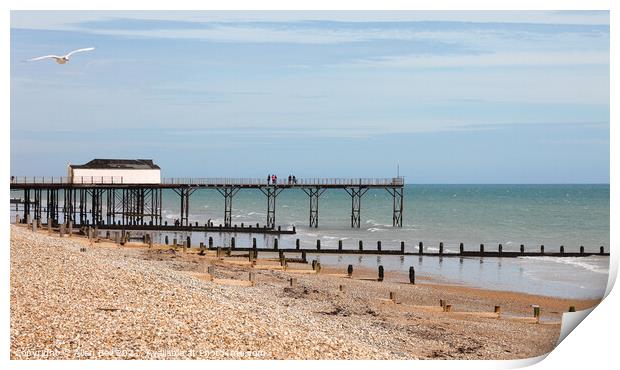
<point x="593" y="342"/>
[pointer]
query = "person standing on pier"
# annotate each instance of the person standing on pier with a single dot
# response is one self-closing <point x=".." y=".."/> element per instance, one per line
<point x="274" y="179"/>
<point x="290" y="178"/>
<point x="294" y="180"/>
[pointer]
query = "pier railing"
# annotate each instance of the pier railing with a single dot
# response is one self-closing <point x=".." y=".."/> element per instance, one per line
<point x="395" y="181"/>
<point x="66" y="180"/>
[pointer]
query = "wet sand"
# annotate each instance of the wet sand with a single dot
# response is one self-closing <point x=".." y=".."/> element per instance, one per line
<point x="119" y="302"/>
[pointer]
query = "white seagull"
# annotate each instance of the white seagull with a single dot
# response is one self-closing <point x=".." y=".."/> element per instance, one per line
<point x="61" y="59"/>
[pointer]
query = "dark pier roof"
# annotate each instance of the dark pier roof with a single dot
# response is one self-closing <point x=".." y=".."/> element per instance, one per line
<point x="129" y="164"/>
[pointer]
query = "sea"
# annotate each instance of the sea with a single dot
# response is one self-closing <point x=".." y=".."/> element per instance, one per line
<point x="511" y="215"/>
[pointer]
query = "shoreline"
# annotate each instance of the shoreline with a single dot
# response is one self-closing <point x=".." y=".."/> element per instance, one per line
<point x="312" y="319"/>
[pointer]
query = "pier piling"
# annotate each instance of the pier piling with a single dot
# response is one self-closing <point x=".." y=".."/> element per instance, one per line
<point x="297" y="243"/>
<point x="379" y="245"/>
<point x="440" y="247"/>
<point x="420" y="248"/>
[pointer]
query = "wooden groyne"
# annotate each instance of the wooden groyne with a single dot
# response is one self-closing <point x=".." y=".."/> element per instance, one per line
<point x="419" y="251"/>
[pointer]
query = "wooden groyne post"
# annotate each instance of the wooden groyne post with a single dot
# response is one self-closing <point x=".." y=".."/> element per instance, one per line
<point x="411" y="275"/>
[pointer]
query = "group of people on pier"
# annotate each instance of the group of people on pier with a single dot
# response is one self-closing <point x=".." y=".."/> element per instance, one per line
<point x="273" y="179"/>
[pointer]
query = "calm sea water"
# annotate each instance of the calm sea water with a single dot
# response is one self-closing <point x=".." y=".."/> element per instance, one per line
<point x="552" y="215"/>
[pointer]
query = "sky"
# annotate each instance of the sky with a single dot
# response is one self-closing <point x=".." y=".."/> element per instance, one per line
<point x="443" y="96"/>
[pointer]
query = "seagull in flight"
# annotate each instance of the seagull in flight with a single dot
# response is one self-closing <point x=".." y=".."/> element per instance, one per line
<point x="61" y="59"/>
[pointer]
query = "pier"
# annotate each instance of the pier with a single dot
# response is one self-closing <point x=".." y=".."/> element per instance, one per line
<point x="107" y="201"/>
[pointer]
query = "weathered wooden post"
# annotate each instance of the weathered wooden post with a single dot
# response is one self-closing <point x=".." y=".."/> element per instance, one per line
<point x="379" y="245"/>
<point x="500" y="248"/>
<point x="71" y="229"/>
<point x="202" y="249"/>
<point x="318" y="244"/>
<point x="602" y="250"/>
<point x="34" y="227"/>
<point x="314" y="264"/>
<point x="380" y="277"/>
<point x="117" y="237"/>
<point x="440" y="247"/>
<point x="393" y="297"/>
<point x="292" y="282"/>
<point x="542" y="249"/>
<point x="232" y="242"/>
<point x="402" y="247"/>
<point x="442" y="303"/>
<point x="252" y="277"/>
<point x="536" y="312"/>
<point x="62" y="230"/>
<point x="339" y="245"/>
<point x="218" y="252"/>
<point x="572" y="309"/>
<point x="275" y="244"/>
<point x="296" y="243"/>
<point x="303" y="256"/>
<point x="166" y="239"/>
<point x="253" y="243"/>
<point x="411" y="275"/>
<point x="211" y="271"/>
<point x="581" y="250"/>
<point x="341" y="288"/>
<point x="420" y="248"/>
<point x="350" y="271"/>
<point x="361" y="245"/>
<point x="522" y="248"/>
<point x="150" y="240"/>
<point x="188" y="242"/>
<point x="28" y="220"/>
<point x="174" y="242"/>
<point x="561" y="249"/>
<point x="317" y="267"/>
<point x="49" y="226"/>
<point x="210" y="242"/>
<point x="497" y="310"/>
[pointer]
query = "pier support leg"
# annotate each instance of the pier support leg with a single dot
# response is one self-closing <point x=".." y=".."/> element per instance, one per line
<point x="314" y="194"/>
<point x="397" y="205"/>
<point x="228" y="193"/>
<point x="184" y="193"/>
<point x="356" y="194"/>
<point x="271" y="193"/>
